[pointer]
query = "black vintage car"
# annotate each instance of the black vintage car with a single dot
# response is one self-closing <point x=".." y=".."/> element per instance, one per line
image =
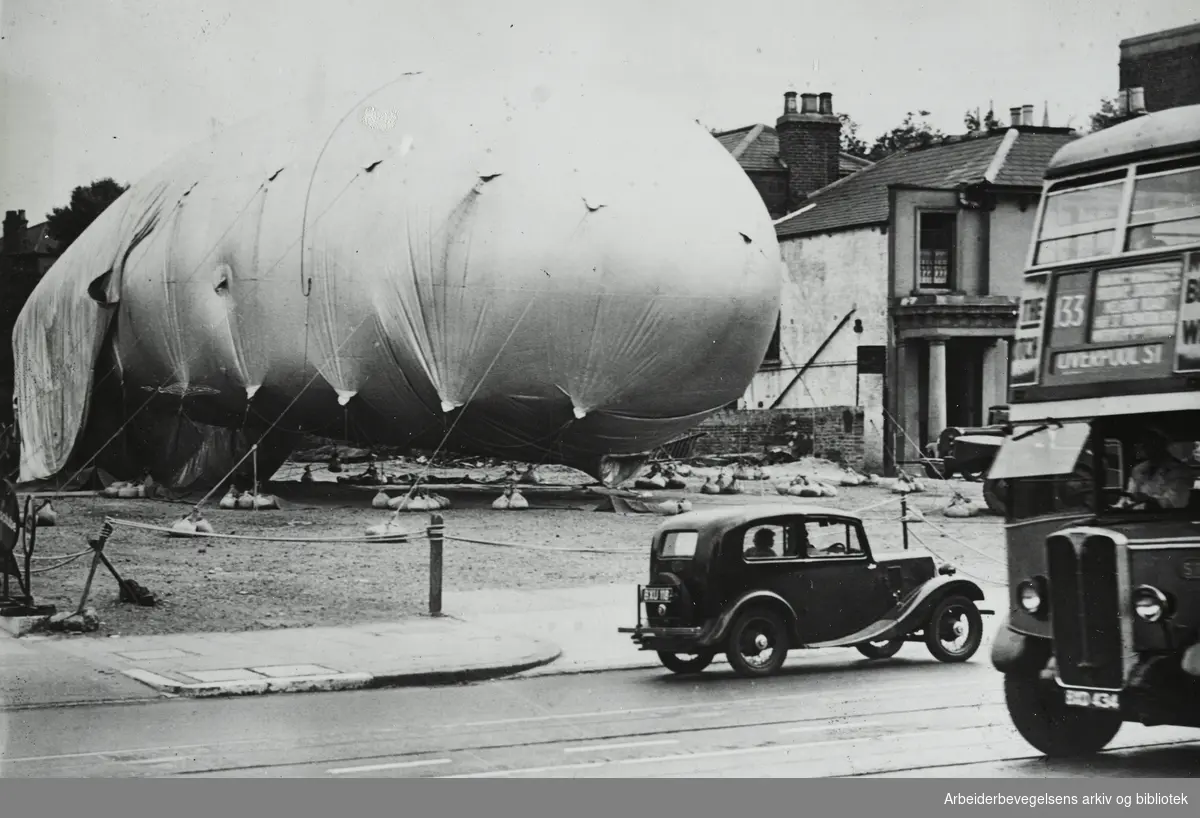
<point x="757" y="581"/>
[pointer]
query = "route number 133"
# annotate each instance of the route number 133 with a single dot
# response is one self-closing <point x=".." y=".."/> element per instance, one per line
<point x="1069" y="311"/>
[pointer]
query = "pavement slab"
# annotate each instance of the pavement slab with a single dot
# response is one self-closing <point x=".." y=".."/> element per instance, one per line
<point x="418" y="651"/>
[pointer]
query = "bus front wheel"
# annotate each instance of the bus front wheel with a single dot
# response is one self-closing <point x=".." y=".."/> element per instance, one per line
<point x="1043" y="719"/>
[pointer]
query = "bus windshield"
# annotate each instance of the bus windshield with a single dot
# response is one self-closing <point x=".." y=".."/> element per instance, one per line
<point x="1123" y="465"/>
<point x="1087" y="217"/>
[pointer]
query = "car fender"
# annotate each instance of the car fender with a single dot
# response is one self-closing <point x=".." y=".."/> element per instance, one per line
<point x="719" y="629"/>
<point x="910" y="613"/>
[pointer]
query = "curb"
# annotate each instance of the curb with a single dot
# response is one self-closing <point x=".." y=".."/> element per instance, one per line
<point x="344" y="681"/>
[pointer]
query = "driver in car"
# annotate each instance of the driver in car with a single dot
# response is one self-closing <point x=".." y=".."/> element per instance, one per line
<point x="1162" y="479"/>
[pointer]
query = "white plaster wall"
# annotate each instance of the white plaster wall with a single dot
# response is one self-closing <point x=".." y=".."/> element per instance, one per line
<point x="1011" y="232"/>
<point x="827" y="276"/>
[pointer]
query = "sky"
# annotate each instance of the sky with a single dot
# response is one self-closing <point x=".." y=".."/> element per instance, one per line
<point x="96" y="88"/>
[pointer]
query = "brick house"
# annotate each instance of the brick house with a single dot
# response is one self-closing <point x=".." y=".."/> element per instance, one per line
<point x="1165" y="65"/>
<point x="902" y="286"/>
<point x="25" y="256"/>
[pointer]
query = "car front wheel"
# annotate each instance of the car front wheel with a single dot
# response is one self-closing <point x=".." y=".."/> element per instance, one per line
<point x="758" y="643"/>
<point x="884" y="649"/>
<point x="955" y="630"/>
<point x="1045" y="721"/>
<point x="683" y="663"/>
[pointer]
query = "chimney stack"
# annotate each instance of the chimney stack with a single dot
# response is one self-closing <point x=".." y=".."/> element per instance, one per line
<point x="1014" y="117"/>
<point x="1027" y="115"/>
<point x="14" y="231"/>
<point x="1137" y="100"/>
<point x="810" y="142"/>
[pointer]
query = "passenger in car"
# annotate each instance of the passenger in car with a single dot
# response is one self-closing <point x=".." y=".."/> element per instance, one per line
<point x="764" y="545"/>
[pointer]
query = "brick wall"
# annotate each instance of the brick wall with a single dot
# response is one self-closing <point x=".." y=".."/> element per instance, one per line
<point x="811" y="147"/>
<point x="832" y="432"/>
<point x="1166" y="65"/>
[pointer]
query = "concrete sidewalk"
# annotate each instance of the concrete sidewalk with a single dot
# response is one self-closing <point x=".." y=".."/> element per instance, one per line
<point x="45" y="670"/>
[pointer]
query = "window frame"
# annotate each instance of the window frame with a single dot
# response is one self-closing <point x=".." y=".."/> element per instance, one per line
<point x="951" y="217"/>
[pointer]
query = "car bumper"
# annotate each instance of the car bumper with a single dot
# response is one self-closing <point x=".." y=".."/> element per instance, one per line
<point x="666" y="639"/>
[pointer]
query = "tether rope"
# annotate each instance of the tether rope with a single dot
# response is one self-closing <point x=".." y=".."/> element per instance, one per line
<point x="397" y="537"/>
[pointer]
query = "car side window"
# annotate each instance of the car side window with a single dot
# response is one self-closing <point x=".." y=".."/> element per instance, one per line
<point x="831" y="538"/>
<point x="768" y="541"/>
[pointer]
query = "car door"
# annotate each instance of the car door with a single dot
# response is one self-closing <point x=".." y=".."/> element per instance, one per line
<point x="839" y="590"/>
<point x="745" y="570"/>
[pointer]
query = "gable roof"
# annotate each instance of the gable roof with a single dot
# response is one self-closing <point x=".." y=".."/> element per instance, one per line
<point x="1014" y="158"/>
<point x="756" y="147"/>
<point x="37" y="240"/>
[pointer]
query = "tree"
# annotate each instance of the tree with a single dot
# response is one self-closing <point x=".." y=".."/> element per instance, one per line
<point x="973" y="123"/>
<point x="1107" y="116"/>
<point x="67" y="223"/>
<point x="851" y="142"/>
<point x="911" y="133"/>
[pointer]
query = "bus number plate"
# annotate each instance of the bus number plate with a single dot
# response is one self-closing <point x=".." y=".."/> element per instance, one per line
<point x="1093" y="700"/>
<point x="1190" y="569"/>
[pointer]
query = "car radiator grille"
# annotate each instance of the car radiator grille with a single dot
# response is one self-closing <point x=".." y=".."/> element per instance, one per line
<point x="1085" y="611"/>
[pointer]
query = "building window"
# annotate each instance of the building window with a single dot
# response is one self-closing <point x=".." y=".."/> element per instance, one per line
<point x="772" y="358"/>
<point x="936" y="250"/>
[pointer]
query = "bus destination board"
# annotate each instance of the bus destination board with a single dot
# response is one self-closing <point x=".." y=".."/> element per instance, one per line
<point x="1111" y="325"/>
<point x="1026" y="355"/>
<point x="1187" y="333"/>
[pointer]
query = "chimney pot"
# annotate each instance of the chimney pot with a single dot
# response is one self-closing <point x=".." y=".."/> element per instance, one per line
<point x="1027" y="115"/>
<point x="1014" y="116"/>
<point x="1137" y="100"/>
<point x="827" y="103"/>
<point x="789" y="103"/>
<point x="1123" y="102"/>
<point x="808" y="104"/>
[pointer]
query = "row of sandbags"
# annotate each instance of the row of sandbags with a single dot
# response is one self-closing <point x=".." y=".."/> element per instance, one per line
<point x="802" y="486"/>
<point x="234" y="499"/>
<point x="421" y="501"/>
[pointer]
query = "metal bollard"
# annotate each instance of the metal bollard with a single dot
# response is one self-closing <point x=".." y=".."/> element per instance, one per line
<point x="904" y="519"/>
<point x="434" y="531"/>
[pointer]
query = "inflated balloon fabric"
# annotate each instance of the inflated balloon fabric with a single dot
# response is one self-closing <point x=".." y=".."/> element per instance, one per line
<point x="548" y="272"/>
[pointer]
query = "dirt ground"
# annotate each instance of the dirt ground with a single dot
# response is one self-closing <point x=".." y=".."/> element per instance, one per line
<point x="232" y="585"/>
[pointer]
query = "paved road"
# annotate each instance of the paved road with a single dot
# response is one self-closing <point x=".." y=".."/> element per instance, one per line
<point x="831" y="715"/>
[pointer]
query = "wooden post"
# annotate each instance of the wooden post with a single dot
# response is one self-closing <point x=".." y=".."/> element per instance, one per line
<point x="435" y="531"/>
<point x="904" y="519"/>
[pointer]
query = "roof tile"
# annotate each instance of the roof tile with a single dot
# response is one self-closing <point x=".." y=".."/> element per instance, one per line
<point x="862" y="198"/>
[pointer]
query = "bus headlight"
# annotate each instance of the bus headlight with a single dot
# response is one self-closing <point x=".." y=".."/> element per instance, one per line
<point x="1031" y="596"/>
<point x="1150" y="604"/>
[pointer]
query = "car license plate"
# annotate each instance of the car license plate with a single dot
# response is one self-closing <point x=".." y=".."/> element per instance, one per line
<point x="1093" y="699"/>
<point x="656" y="594"/>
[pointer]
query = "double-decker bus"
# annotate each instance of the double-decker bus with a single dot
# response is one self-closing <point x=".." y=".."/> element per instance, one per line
<point x="1099" y="465"/>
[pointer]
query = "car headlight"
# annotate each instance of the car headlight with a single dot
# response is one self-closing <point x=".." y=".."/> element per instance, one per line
<point x="1031" y="596"/>
<point x="1150" y="604"/>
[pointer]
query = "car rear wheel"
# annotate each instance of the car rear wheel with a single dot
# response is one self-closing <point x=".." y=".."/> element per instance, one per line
<point x="955" y="630"/>
<point x="1045" y="721"/>
<point x="758" y="643"/>
<point x="684" y="663"/>
<point x="883" y="649"/>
